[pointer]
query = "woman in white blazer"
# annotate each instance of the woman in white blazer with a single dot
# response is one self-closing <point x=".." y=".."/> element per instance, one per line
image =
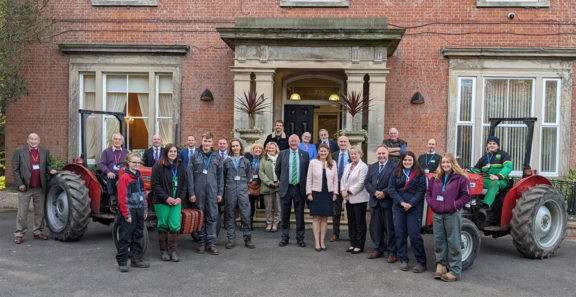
<point x="322" y="190"/>
<point x="356" y="198"/>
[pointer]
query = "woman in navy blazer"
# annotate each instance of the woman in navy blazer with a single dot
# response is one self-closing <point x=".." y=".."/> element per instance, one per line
<point x="407" y="187"/>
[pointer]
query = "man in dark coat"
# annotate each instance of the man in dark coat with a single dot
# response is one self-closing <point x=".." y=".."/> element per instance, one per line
<point x="153" y="153"/>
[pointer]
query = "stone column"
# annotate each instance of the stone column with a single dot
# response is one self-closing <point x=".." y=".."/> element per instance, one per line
<point x="355" y="82"/>
<point x="376" y="113"/>
<point x="265" y="85"/>
<point x="241" y="85"/>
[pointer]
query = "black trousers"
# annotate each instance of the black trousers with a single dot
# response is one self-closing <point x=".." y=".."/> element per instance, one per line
<point x="337" y="214"/>
<point x="130" y="236"/>
<point x="293" y="196"/>
<point x="357" y="224"/>
<point x="382" y="226"/>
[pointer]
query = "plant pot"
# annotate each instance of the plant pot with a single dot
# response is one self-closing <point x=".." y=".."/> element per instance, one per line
<point x="250" y="135"/>
<point x="355" y="137"/>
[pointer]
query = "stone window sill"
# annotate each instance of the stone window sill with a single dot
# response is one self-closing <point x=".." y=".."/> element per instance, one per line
<point x="512" y="3"/>
<point x="124" y="2"/>
<point x="314" y="3"/>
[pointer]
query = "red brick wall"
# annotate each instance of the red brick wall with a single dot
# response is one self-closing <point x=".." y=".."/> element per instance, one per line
<point x="416" y="66"/>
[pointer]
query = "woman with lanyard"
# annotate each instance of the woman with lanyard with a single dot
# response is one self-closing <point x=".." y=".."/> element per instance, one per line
<point x="237" y="173"/>
<point x="407" y="187"/>
<point x="269" y="186"/>
<point x="447" y="193"/>
<point x="356" y="198"/>
<point x="169" y="184"/>
<point x="255" y="156"/>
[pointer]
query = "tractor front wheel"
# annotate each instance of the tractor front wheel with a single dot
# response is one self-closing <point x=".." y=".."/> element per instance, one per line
<point x="470" y="242"/>
<point x="67" y="206"/>
<point x="538" y="223"/>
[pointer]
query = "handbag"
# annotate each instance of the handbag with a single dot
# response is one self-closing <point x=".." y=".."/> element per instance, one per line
<point x="254" y="188"/>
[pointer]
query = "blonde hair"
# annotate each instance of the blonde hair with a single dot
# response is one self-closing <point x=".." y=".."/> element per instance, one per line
<point x="130" y="156"/>
<point x="255" y="145"/>
<point x="357" y="150"/>
<point x="272" y="143"/>
<point x="455" y="167"/>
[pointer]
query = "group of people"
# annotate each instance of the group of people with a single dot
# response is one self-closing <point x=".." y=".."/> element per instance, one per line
<point x="286" y="173"/>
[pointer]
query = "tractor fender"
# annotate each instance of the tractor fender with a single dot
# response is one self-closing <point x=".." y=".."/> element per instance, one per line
<point x="91" y="183"/>
<point x="516" y="192"/>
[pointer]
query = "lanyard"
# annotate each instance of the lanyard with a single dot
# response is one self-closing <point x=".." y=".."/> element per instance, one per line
<point x="489" y="157"/>
<point x="116" y="159"/>
<point x="236" y="164"/>
<point x="35" y="158"/>
<point x="138" y="181"/>
<point x="428" y="161"/>
<point x="174" y="172"/>
<point x="407" y="174"/>
<point x="256" y="163"/>
<point x="445" y="182"/>
<point x="206" y="164"/>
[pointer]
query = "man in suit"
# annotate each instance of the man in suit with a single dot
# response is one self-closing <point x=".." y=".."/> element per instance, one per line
<point x="152" y="154"/>
<point x="30" y="165"/>
<point x="187" y="153"/>
<point x="223" y="149"/>
<point x="342" y="158"/>
<point x="292" y="169"/>
<point x="323" y="133"/>
<point x="381" y="205"/>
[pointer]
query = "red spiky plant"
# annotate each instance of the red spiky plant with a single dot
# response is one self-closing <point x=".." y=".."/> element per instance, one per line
<point x="252" y="104"/>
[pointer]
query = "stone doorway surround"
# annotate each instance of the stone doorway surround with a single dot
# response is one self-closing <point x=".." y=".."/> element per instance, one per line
<point x="356" y="46"/>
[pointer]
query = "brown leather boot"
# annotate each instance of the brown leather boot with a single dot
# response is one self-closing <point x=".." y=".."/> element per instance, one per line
<point x="440" y="270"/>
<point x="173" y="246"/>
<point x="163" y="242"/>
<point x="449" y="277"/>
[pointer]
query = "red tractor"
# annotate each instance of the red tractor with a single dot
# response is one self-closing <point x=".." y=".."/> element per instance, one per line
<point x="532" y="211"/>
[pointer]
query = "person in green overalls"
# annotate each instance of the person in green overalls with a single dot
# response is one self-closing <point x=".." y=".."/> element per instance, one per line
<point x="495" y="166"/>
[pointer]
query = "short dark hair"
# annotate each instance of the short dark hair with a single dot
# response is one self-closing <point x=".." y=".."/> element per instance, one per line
<point x="279" y="121"/>
<point x="208" y="135"/>
<point x="241" y="145"/>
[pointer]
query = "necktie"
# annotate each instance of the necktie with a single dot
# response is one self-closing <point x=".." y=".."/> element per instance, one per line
<point x="341" y="166"/>
<point x="381" y="167"/>
<point x="190" y="151"/>
<point x="156" y="154"/>
<point x="222" y="153"/>
<point x="294" y="169"/>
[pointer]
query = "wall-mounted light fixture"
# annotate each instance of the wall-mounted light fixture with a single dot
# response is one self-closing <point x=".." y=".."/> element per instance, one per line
<point x="207" y="96"/>
<point x="295" y="97"/>
<point x="417" y="98"/>
<point x="334" y="97"/>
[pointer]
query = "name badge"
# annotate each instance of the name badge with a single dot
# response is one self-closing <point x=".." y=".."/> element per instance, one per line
<point x="236" y="177"/>
<point x="440" y="198"/>
<point x="116" y="167"/>
<point x="205" y="171"/>
<point x="255" y="176"/>
<point x="488" y="165"/>
<point x="426" y="170"/>
<point x="175" y="183"/>
<point x="433" y="161"/>
<point x="35" y="167"/>
<point x="141" y="198"/>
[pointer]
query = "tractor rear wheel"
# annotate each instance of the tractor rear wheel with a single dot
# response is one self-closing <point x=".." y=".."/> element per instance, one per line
<point x="470" y="242"/>
<point x="116" y="235"/>
<point x="67" y="206"/>
<point x="538" y="223"/>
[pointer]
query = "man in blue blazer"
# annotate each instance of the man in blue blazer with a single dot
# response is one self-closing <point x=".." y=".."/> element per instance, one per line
<point x="381" y="205"/>
<point x="323" y="133"/>
<point x="189" y="151"/>
<point x="152" y="154"/>
<point x="292" y="169"/>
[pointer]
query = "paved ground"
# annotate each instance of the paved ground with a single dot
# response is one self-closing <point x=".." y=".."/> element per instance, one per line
<point x="88" y="268"/>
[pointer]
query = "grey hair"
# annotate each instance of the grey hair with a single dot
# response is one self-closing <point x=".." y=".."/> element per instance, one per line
<point x="114" y="135"/>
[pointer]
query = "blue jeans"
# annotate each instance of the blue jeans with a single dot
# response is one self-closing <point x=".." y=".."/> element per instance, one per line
<point x="407" y="224"/>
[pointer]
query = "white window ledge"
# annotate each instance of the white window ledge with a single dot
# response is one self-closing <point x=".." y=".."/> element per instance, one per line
<point x="512" y="3"/>
<point x="124" y="2"/>
<point x="314" y="3"/>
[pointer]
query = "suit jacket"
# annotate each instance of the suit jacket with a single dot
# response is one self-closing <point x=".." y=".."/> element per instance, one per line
<point x="283" y="171"/>
<point x="22" y="169"/>
<point x="183" y="155"/>
<point x="148" y="157"/>
<point x="332" y="144"/>
<point x="314" y="178"/>
<point x="354" y="182"/>
<point x="379" y="182"/>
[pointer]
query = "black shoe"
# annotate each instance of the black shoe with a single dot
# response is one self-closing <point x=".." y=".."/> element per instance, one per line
<point x="324" y="248"/>
<point x="350" y="249"/>
<point x="301" y="243"/>
<point x="248" y="243"/>
<point x="139" y="263"/>
<point x="357" y="251"/>
<point x="123" y="268"/>
<point x="283" y="242"/>
<point x="230" y="244"/>
<point x="318" y="249"/>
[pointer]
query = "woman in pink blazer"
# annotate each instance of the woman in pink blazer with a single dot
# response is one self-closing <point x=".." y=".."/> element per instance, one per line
<point x="322" y="190"/>
<point x="356" y="198"/>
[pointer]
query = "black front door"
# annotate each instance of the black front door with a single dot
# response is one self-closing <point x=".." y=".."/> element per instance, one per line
<point x="298" y="119"/>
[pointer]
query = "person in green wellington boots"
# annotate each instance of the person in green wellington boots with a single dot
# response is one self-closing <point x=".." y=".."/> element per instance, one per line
<point x="495" y="166"/>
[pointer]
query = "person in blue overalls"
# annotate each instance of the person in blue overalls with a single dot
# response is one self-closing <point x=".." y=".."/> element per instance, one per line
<point x="237" y="174"/>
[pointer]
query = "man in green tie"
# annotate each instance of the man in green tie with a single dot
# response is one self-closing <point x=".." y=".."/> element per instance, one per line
<point x="291" y="169"/>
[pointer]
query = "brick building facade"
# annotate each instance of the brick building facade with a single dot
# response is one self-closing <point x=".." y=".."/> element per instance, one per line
<point x="468" y="58"/>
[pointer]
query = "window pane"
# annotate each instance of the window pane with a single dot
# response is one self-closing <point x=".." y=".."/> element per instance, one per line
<point x="115" y="102"/>
<point x="466" y="88"/>
<point x="112" y="126"/>
<point x="138" y="134"/>
<point x="89" y="83"/>
<point x="165" y="84"/>
<point x="512" y="140"/>
<point x="520" y="98"/>
<point x="165" y="127"/>
<point x="116" y="83"/>
<point x="138" y="84"/>
<point x="550" y="101"/>
<point x="464" y="146"/>
<point x="507" y="98"/>
<point x="549" y="144"/>
<point x="165" y="105"/>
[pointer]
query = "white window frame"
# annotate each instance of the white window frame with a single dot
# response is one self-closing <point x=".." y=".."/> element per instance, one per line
<point x="470" y="123"/>
<point x="512" y="3"/>
<point x="124" y="2"/>
<point x="556" y="124"/>
<point x="314" y="3"/>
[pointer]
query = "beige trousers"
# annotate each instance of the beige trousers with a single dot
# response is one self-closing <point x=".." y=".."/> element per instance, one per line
<point x="37" y="197"/>
<point x="272" y="203"/>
